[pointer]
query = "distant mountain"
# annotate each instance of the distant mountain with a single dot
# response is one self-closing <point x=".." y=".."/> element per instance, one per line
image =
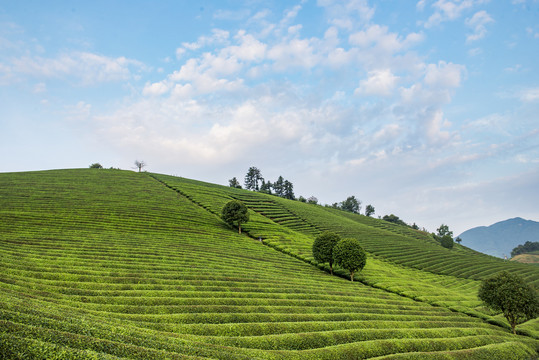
<point x="502" y="237"/>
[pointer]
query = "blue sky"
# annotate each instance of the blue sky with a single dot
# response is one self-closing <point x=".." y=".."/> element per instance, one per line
<point x="428" y="110"/>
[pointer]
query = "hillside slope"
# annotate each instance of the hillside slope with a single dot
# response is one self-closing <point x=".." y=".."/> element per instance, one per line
<point x="501" y="238"/>
<point x="114" y="264"/>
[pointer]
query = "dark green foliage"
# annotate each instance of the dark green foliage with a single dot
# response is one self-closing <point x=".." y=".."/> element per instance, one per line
<point x="288" y="190"/>
<point x="96" y="166"/>
<point x="349" y="255"/>
<point x="443" y="230"/>
<point x="323" y="248"/>
<point x="234" y="183"/>
<point x="509" y="294"/>
<point x="447" y="242"/>
<point x="278" y="186"/>
<point x="369" y="210"/>
<point x="394" y="219"/>
<point x="528" y="247"/>
<point x="266" y="187"/>
<point x="253" y="178"/>
<point x="235" y="213"/>
<point x="444" y="236"/>
<point x="351" y="204"/>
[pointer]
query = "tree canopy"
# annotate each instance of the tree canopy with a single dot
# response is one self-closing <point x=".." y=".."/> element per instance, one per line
<point x="140" y="165"/>
<point x="96" y="166"/>
<point x="234" y="183"/>
<point x="253" y="178"/>
<point x="351" y="204"/>
<point x="235" y="212"/>
<point x="323" y="248"/>
<point x="444" y="236"/>
<point x="509" y="294"/>
<point x="349" y="254"/>
<point x="369" y="210"/>
<point x="394" y="219"/>
<point x="447" y="242"/>
<point x="527" y="247"/>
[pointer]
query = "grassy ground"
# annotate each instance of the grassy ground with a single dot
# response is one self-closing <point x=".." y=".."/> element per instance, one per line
<point x="110" y="264"/>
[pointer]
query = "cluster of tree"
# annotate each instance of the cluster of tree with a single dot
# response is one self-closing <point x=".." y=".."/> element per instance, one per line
<point x="528" y="247"/>
<point x="394" y="219"/>
<point x="510" y="294"/>
<point x="351" y="204"/>
<point x="309" y="200"/>
<point x="99" y="166"/>
<point x="255" y="181"/>
<point x="347" y="253"/>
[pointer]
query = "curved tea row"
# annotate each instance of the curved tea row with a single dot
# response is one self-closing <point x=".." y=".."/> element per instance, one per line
<point x="110" y="264"/>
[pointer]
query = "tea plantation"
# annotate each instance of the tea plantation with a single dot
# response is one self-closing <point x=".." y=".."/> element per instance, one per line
<point x="111" y="264"/>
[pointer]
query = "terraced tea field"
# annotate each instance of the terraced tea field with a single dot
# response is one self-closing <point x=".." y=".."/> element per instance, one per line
<point x="107" y="264"/>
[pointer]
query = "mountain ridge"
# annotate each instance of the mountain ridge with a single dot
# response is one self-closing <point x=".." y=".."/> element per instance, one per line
<point x="500" y="238"/>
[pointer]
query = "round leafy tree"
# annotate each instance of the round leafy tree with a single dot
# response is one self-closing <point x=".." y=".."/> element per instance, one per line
<point x="509" y="294"/>
<point x="349" y="255"/>
<point x="323" y="248"/>
<point x="447" y="242"/>
<point x="235" y="212"/>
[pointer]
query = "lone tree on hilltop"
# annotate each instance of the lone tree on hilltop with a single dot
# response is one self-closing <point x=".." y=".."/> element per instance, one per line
<point x="235" y="212"/>
<point x="140" y="165"/>
<point x="369" y="210"/>
<point x="349" y="255"/>
<point x="323" y="248"/>
<point x="509" y="294"/>
<point x="96" y="166"/>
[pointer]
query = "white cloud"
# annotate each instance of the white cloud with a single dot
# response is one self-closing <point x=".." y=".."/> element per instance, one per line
<point x="381" y="38"/>
<point x="477" y="22"/>
<point x="155" y="89"/>
<point x="449" y="10"/>
<point x="293" y="53"/>
<point x="348" y="14"/>
<point x="434" y="127"/>
<point x="87" y="67"/>
<point x="379" y="82"/>
<point x="529" y="95"/>
<point x="218" y="37"/>
<point x="444" y="75"/>
<point x="40" y="88"/>
<point x="249" y="49"/>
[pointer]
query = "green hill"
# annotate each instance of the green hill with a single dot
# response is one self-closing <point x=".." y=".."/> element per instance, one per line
<point x="110" y="264"/>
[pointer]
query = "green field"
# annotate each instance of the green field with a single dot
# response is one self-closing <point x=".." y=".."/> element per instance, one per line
<point x="110" y="264"/>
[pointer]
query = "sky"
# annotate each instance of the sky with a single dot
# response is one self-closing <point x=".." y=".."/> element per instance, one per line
<point x="426" y="109"/>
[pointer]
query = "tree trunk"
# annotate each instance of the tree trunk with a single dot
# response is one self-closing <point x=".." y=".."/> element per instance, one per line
<point x="351" y="276"/>
<point x="239" y="228"/>
<point x="331" y="268"/>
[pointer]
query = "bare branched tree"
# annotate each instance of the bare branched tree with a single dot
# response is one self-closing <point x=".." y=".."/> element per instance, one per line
<point x="140" y="165"/>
